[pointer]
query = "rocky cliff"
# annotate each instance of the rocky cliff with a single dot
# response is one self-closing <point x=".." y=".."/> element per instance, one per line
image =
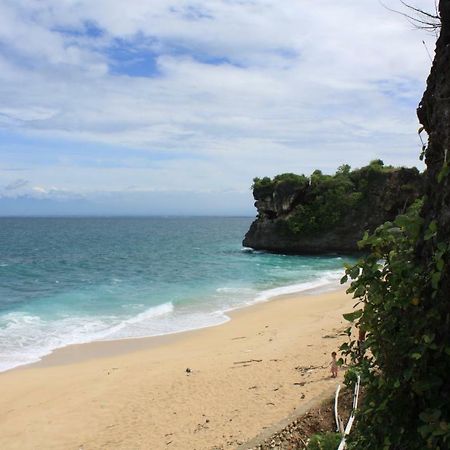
<point x="328" y="213"/>
<point x="434" y="115"/>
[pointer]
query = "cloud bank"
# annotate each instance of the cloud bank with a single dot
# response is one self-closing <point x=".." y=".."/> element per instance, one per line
<point x="100" y="98"/>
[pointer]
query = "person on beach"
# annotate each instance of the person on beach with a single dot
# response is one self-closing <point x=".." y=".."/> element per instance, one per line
<point x="334" y="366"/>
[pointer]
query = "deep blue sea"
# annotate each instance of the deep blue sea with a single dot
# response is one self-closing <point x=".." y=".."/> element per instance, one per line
<point x="73" y="280"/>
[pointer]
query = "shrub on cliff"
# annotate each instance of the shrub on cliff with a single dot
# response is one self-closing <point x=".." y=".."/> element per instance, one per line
<point x="403" y="288"/>
<point x="266" y="186"/>
<point x="324" y="441"/>
<point x="331" y="197"/>
<point x="406" y="369"/>
<point x="323" y="213"/>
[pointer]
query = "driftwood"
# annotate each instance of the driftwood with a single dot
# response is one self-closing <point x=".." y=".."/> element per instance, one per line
<point x="248" y="361"/>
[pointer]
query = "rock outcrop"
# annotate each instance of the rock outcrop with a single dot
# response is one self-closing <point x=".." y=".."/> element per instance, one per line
<point x="434" y="115"/>
<point x="328" y="214"/>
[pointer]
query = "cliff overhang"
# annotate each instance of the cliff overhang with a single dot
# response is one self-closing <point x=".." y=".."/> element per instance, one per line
<point x="323" y="214"/>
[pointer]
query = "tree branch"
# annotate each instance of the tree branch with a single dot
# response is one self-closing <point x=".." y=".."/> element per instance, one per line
<point x="422" y="20"/>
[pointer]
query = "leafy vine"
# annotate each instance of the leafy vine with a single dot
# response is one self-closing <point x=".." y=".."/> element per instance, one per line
<point x="402" y="353"/>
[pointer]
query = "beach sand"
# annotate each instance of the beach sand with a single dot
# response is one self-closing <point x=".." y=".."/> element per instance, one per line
<point x="245" y="376"/>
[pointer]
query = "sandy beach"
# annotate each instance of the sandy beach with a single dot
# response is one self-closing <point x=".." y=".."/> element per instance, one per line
<point x="244" y="376"/>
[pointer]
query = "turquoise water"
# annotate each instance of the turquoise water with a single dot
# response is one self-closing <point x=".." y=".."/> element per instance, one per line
<point x="73" y="280"/>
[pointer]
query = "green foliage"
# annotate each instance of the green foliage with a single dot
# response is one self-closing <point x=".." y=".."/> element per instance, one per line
<point x="263" y="187"/>
<point x="370" y="177"/>
<point x="351" y="377"/>
<point x="329" y="199"/>
<point x="291" y="178"/>
<point x="376" y="163"/>
<point x="259" y="183"/>
<point x="443" y="173"/>
<point x="344" y="169"/>
<point x="320" y="202"/>
<point x="404" y="360"/>
<point x="266" y="182"/>
<point x="324" y="441"/>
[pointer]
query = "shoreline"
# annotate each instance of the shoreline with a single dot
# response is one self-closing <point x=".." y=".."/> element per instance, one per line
<point x="113" y="347"/>
<point x="244" y="377"/>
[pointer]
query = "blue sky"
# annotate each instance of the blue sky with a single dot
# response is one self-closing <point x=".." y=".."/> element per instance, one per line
<point x="173" y="106"/>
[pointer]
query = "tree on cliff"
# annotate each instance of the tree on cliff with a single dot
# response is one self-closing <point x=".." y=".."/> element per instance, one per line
<point x="403" y="288"/>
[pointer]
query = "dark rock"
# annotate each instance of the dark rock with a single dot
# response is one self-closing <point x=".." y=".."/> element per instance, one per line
<point x="386" y="193"/>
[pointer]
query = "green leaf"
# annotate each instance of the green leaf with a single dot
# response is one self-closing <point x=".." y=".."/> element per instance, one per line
<point x="360" y="291"/>
<point x="435" y="278"/>
<point x="402" y="220"/>
<point x="431" y="230"/>
<point x="354" y="272"/>
<point x="430" y="415"/>
<point x="433" y="226"/>
<point x="351" y="317"/>
<point x="365" y="237"/>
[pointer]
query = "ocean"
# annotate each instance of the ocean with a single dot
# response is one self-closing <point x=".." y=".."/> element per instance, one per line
<point x="75" y="280"/>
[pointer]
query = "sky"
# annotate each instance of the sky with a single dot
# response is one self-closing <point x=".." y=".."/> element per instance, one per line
<point x="173" y="106"/>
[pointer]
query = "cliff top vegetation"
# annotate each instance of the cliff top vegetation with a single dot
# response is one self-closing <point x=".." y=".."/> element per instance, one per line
<point x="320" y="202"/>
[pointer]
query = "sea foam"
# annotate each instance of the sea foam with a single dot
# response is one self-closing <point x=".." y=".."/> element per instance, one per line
<point x="328" y="281"/>
<point x="25" y="339"/>
<point x="70" y="281"/>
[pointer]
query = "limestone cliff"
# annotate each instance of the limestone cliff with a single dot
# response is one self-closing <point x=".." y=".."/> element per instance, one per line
<point x="324" y="213"/>
<point x="434" y="115"/>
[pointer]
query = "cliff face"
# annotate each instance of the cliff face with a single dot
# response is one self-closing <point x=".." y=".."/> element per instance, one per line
<point x="325" y="214"/>
<point x="434" y="115"/>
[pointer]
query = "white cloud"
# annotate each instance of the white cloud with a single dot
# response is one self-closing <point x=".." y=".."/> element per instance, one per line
<point x="246" y="87"/>
<point x="28" y="114"/>
<point x="40" y="190"/>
